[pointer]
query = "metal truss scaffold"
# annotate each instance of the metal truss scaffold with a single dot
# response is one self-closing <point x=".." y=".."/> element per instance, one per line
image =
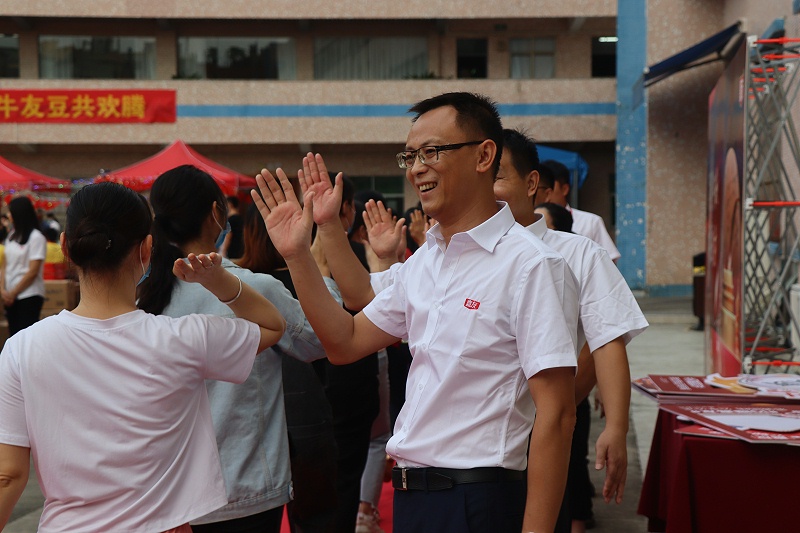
<point x="771" y="253"/>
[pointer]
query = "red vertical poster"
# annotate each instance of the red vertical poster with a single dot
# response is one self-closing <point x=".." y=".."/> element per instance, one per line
<point x="724" y="231"/>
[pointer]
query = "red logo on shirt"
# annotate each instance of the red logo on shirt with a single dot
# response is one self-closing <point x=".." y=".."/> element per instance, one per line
<point x="471" y="304"/>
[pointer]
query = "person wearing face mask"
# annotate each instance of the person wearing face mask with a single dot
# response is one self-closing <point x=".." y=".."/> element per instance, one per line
<point x="249" y="419"/>
<point x="111" y="401"/>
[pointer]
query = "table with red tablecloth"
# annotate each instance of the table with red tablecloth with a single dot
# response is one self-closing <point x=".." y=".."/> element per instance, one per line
<point x="704" y="484"/>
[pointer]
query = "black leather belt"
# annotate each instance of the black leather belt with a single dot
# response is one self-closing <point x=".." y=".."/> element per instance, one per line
<point x="445" y="478"/>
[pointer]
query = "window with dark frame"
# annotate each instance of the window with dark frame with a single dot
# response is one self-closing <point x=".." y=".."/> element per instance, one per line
<point x="91" y="57"/>
<point x="604" y="57"/>
<point x="237" y="58"/>
<point x="472" y="58"/>
<point x="532" y="58"/>
<point x="370" y="58"/>
<point x="9" y="56"/>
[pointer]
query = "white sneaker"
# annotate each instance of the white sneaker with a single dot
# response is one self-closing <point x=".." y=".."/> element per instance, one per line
<point x="368" y="523"/>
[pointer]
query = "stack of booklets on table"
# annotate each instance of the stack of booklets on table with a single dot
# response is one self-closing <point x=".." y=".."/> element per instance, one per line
<point x="754" y="408"/>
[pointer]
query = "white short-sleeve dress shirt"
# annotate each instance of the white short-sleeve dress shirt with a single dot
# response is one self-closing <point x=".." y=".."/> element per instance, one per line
<point x="607" y="307"/>
<point x="482" y="316"/>
<point x="592" y="226"/>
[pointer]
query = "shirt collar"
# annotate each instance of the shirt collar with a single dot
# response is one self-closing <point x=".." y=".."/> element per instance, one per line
<point x="538" y="228"/>
<point x="486" y="234"/>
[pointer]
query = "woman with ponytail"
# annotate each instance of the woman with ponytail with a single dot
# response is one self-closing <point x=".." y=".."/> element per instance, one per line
<point x="111" y="401"/>
<point x="249" y="420"/>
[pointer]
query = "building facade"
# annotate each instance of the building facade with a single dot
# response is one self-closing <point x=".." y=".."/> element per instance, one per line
<point x="260" y="83"/>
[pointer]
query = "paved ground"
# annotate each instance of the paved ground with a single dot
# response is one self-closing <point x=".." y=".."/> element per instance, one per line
<point x="668" y="346"/>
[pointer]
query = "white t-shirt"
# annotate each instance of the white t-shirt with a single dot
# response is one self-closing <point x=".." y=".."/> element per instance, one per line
<point x="592" y="226"/>
<point x="607" y="307"/>
<point x="18" y="258"/>
<point x="482" y="316"/>
<point x="117" y="418"/>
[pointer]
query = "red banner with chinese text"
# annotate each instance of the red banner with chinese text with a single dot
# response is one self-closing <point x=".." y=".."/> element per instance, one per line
<point x="86" y="106"/>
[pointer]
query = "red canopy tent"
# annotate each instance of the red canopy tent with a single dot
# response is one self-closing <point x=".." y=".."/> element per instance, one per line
<point x="140" y="176"/>
<point x="14" y="178"/>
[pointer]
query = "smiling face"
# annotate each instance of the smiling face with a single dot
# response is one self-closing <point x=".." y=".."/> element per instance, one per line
<point x="451" y="189"/>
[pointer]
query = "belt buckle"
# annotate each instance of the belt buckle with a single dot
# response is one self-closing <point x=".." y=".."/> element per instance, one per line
<point x="404" y="478"/>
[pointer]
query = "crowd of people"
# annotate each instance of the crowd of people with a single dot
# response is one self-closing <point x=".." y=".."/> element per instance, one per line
<point x="225" y="367"/>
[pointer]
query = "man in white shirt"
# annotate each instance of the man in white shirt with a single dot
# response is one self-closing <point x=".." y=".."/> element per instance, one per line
<point x="490" y="313"/>
<point x="583" y="223"/>
<point x="609" y="314"/>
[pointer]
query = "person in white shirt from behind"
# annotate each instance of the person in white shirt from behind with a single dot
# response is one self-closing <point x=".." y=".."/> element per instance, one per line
<point x="609" y="314"/>
<point x="111" y="401"/>
<point x="583" y="222"/>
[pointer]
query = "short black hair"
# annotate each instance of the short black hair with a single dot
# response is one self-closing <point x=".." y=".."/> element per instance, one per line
<point x="522" y="149"/>
<point x="50" y="233"/>
<point x="546" y="179"/>
<point x="233" y="201"/>
<point x="476" y="114"/>
<point x="560" y="171"/>
<point x="562" y="218"/>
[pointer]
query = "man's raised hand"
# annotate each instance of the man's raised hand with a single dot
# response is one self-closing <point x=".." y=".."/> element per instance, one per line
<point x="327" y="197"/>
<point x="384" y="232"/>
<point x="288" y="224"/>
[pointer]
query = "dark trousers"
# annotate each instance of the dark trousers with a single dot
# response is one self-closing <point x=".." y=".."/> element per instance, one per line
<point x="312" y="449"/>
<point x="353" y="394"/>
<point x="23" y="313"/>
<point x="577" y="503"/>
<point x="496" y="507"/>
<point x="266" y="522"/>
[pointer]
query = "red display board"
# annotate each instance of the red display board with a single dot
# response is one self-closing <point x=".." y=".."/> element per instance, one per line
<point x="725" y="237"/>
<point x="86" y="106"/>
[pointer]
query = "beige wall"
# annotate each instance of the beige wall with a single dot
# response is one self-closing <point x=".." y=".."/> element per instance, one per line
<point x="758" y="14"/>
<point x="325" y="130"/>
<point x="678" y="140"/>
<point x="308" y="9"/>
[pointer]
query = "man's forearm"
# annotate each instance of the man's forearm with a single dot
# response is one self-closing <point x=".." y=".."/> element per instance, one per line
<point x="614" y="382"/>
<point x="332" y="324"/>
<point x="547" y="470"/>
<point x="553" y="393"/>
<point x="350" y="275"/>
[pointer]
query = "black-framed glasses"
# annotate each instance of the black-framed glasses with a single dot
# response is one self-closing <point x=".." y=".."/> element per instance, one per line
<point x="428" y="155"/>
